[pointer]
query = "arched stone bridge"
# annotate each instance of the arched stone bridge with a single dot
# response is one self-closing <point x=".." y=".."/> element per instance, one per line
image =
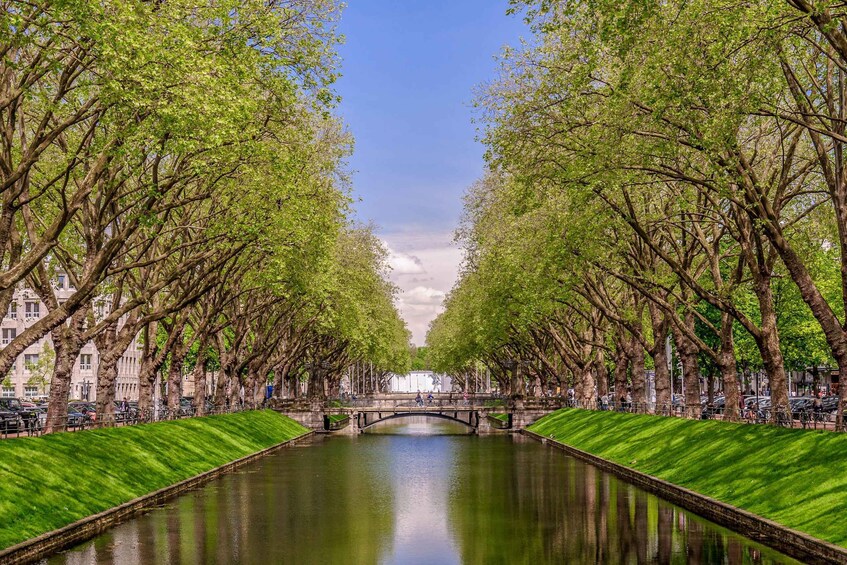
<point x="364" y="413"/>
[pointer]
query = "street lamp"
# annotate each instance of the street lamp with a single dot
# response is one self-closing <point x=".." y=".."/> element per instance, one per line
<point x="86" y="388"/>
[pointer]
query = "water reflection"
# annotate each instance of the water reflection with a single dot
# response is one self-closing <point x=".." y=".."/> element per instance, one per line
<point x="419" y="425"/>
<point x="429" y="499"/>
<point x="328" y="503"/>
<point x="539" y="506"/>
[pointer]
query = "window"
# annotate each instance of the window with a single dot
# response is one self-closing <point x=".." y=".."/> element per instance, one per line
<point x="12" y="312"/>
<point x="30" y="359"/>
<point x="7" y="392"/>
<point x="100" y="310"/>
<point x="33" y="310"/>
<point x="60" y="281"/>
<point x="30" y="391"/>
<point x="8" y="335"/>
<point x="85" y="362"/>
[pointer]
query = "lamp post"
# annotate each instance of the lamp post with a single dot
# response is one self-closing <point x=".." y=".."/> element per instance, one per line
<point x="86" y="387"/>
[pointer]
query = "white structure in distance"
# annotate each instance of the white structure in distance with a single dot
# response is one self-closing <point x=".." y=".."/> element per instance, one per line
<point x="423" y="381"/>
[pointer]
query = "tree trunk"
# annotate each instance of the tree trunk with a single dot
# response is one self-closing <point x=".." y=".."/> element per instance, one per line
<point x="587" y="397"/>
<point x="235" y="398"/>
<point x="199" y="378"/>
<point x="316" y="386"/>
<point x="842" y="393"/>
<point x="729" y="374"/>
<point x="687" y="350"/>
<point x="601" y="375"/>
<point x="659" y="354"/>
<point x="224" y="378"/>
<point x="111" y="350"/>
<point x="107" y="375"/>
<point x="768" y="344"/>
<point x="67" y="343"/>
<point x="638" y="376"/>
<point x="175" y="379"/>
<point x="518" y="387"/>
<point x="621" y="366"/>
<point x="60" y="387"/>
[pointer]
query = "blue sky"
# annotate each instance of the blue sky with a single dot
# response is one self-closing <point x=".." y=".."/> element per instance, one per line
<point x="409" y="69"/>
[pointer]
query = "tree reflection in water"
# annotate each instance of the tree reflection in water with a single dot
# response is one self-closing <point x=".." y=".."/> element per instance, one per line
<point x="418" y="498"/>
<point x="321" y="504"/>
<point x="532" y="504"/>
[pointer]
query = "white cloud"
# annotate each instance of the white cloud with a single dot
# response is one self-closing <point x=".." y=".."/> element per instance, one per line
<point x="404" y="264"/>
<point x="421" y="298"/>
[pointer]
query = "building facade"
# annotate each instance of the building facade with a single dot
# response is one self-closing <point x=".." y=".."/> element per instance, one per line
<point x="30" y="376"/>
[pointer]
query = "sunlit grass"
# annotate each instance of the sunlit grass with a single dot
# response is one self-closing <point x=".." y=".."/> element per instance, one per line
<point x="794" y="477"/>
<point x="51" y="481"/>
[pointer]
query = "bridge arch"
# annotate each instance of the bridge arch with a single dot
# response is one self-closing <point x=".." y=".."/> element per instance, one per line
<point x="469" y="418"/>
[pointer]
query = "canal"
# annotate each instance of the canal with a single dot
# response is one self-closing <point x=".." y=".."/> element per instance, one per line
<point x="418" y="490"/>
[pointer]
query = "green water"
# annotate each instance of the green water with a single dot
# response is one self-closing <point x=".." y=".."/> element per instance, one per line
<point x="418" y="491"/>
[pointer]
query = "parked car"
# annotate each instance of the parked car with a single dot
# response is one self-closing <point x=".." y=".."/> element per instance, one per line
<point x="186" y="406"/>
<point x="717" y="407"/>
<point x="76" y="419"/>
<point x="800" y="403"/>
<point x="126" y="414"/>
<point x="87" y="409"/>
<point x="27" y="419"/>
<point x="40" y="413"/>
<point x="829" y="404"/>
<point x="10" y="420"/>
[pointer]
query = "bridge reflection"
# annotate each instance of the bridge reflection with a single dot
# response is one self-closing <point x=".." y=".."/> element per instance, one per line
<point x="419" y="425"/>
<point x="365" y="418"/>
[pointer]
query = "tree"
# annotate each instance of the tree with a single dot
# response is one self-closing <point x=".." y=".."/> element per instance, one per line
<point x="41" y="371"/>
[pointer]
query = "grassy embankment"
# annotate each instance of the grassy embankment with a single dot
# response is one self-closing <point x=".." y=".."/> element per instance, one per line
<point x="334" y="418"/>
<point x="794" y="477"/>
<point x="51" y="481"/>
<point x="501" y="417"/>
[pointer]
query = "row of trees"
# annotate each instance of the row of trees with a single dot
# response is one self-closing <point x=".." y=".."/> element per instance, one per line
<point x="659" y="169"/>
<point x="180" y="164"/>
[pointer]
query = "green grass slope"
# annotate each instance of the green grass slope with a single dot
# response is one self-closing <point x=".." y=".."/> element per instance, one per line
<point x="794" y="477"/>
<point x="48" y="482"/>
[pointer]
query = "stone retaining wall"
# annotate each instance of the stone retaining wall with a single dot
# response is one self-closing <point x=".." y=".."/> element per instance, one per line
<point x="791" y="542"/>
<point x="87" y="528"/>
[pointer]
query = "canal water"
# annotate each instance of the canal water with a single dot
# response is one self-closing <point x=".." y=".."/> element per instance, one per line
<point x="418" y="490"/>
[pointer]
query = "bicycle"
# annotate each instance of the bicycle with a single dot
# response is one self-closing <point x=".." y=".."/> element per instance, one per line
<point x="784" y="419"/>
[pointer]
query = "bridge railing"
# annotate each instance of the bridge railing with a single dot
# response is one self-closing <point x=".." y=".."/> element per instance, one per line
<point x="441" y="403"/>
